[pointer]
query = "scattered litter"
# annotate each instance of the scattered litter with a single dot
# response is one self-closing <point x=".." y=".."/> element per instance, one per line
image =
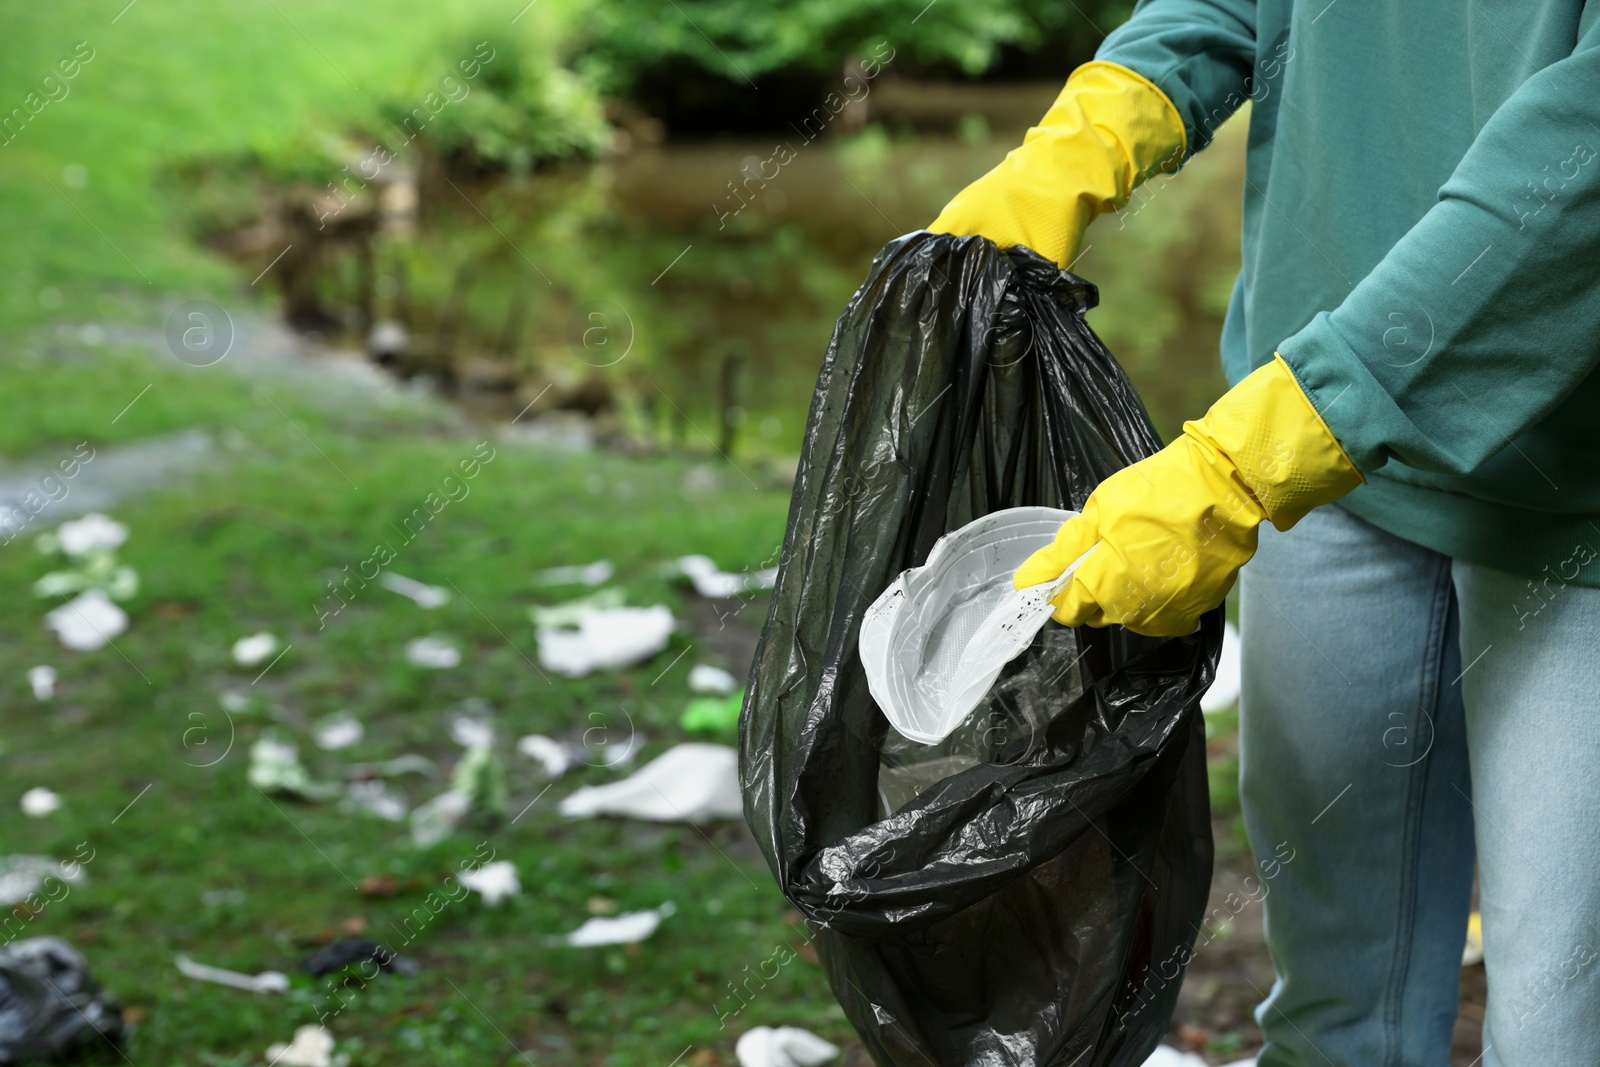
<point x="90" y="544"/>
<point x="493" y="881"/>
<point x="571" y="612"/>
<point x="254" y="650"/>
<point x="435" y="653"/>
<point x="783" y="1046"/>
<point x="88" y="622"/>
<point x="596" y="573"/>
<point x="236" y="701"/>
<point x="1224" y="691"/>
<point x="340" y="954"/>
<point x="713" y="583"/>
<point x="482" y="780"/>
<point x="265" y="982"/>
<point x="607" y="639"/>
<point x="624" y="929"/>
<point x="376" y="798"/>
<point x="275" y="767"/>
<point x="420" y="593"/>
<point x="312" y="1047"/>
<point x="713" y="715"/>
<point x="705" y="678"/>
<point x="49" y="1004"/>
<point x="339" y="731"/>
<point x="22" y="876"/>
<point x="79" y="537"/>
<point x="556" y="758"/>
<point x="43" y="681"/>
<point x="471" y="731"/>
<point x="40" y="801"/>
<point x="410" y="763"/>
<point x="437" y="819"/>
<point x="1472" y="952"/>
<point x="100" y="571"/>
<point x="693" y="782"/>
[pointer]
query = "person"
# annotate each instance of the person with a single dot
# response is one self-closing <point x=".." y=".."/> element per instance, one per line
<point x="1410" y="450"/>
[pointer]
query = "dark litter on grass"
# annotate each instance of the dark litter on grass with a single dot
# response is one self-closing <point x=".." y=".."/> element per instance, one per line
<point x="49" y="1005"/>
<point x="355" y="950"/>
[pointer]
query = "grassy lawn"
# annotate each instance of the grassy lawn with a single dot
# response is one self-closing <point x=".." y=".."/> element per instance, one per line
<point x="250" y="546"/>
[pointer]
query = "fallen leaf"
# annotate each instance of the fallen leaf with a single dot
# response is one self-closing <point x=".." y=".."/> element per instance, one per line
<point x="379" y="885"/>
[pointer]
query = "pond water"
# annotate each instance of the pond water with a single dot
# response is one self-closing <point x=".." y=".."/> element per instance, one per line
<point x="694" y="278"/>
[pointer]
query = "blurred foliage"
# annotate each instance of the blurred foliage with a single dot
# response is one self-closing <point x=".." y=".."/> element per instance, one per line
<point x="737" y="40"/>
<point x="506" y="102"/>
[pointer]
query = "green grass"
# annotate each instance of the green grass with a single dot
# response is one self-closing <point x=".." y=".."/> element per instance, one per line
<point x="176" y="80"/>
<point x="252" y="546"/>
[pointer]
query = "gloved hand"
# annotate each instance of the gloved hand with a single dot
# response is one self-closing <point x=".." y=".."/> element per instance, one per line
<point x="1175" y="528"/>
<point x="1107" y="131"/>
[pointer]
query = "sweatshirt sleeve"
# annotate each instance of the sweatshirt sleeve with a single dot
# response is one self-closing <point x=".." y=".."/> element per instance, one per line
<point x="1503" y="274"/>
<point x="1199" y="52"/>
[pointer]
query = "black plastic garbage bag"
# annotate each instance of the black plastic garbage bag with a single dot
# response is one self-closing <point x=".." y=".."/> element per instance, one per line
<point x="49" y="1006"/>
<point x="1027" y="891"/>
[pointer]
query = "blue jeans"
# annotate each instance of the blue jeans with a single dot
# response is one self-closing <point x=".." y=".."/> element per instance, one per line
<point x="1402" y="713"/>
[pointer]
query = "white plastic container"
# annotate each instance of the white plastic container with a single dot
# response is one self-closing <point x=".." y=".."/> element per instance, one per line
<point x="935" y="641"/>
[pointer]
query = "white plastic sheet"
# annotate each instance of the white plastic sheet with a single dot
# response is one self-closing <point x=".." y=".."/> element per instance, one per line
<point x="427" y="597"/>
<point x="254" y="650"/>
<point x="934" y="642"/>
<point x="39" y="802"/>
<point x="692" y="782"/>
<point x="713" y="583"/>
<point x="624" y="929"/>
<point x="605" y="640"/>
<point x="783" y="1046"/>
<point x="493" y="881"/>
<point x="42" y="680"/>
<point x="704" y="678"/>
<point x="87" y="622"/>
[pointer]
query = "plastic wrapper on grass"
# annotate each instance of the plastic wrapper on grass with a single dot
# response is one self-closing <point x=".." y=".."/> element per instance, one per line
<point x="624" y="929"/>
<point x="345" y="951"/>
<point x="704" y="678"/>
<point x="999" y="897"/>
<point x="718" y="716"/>
<point x="692" y="783"/>
<point x="783" y="1046"/>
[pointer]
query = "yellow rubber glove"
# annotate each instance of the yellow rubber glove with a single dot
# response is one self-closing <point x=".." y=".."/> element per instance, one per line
<point x="1108" y="130"/>
<point x="1175" y="528"/>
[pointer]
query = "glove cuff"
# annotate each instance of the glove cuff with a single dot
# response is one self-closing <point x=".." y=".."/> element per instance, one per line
<point x="1279" y="450"/>
<point x="1140" y="127"/>
<point x="1108" y="130"/>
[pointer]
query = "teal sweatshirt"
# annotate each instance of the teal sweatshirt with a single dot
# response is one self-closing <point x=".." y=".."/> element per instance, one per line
<point x="1422" y="244"/>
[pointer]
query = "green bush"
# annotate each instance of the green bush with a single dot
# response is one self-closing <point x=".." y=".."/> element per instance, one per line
<point x="501" y="102"/>
<point x="736" y="40"/>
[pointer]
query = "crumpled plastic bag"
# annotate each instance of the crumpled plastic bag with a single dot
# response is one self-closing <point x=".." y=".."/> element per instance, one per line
<point x="782" y="1046"/>
<point x="49" y="1005"/>
<point x="692" y="782"/>
<point x="1000" y="897"/>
